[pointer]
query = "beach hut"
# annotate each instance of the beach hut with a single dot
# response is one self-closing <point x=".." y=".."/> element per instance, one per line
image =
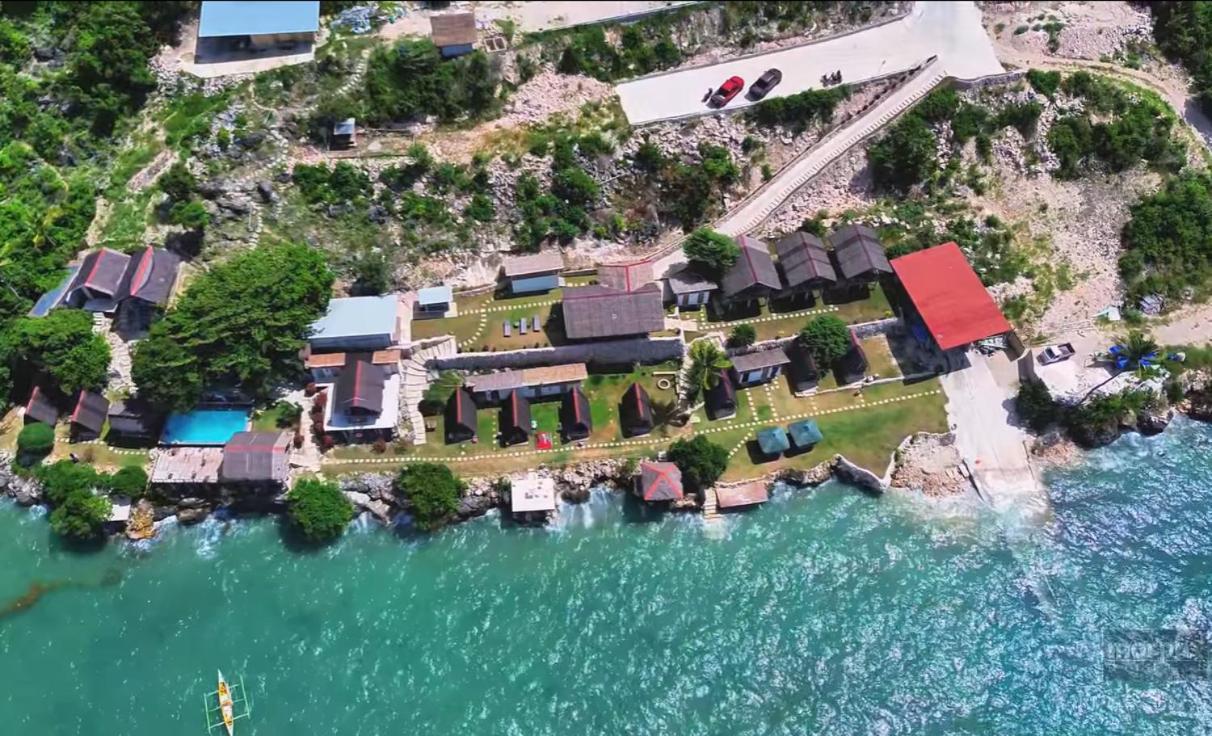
<point x="575" y="420"/>
<point x="515" y="419"/>
<point x="635" y="411"/>
<point x="753" y="276"/>
<point x="88" y="417"/>
<point x="804" y="435"/>
<point x="721" y="398"/>
<point x="851" y="367"/>
<point x="460" y="416"/>
<point x="41" y="407"/>
<point x="773" y="441"/>
<point x="758" y="366"/>
<point x="133" y="422"/>
<point x="802" y="371"/>
<point x="659" y="482"/>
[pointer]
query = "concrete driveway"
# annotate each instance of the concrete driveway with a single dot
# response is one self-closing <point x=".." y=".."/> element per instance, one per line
<point x="950" y="30"/>
<point x="979" y="408"/>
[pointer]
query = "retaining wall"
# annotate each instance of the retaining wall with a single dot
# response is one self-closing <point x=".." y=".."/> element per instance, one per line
<point x="617" y="352"/>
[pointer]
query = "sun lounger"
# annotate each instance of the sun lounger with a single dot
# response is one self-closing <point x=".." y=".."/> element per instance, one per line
<point x="522" y="327"/>
<point x="535" y="323"/>
<point x="505" y="326"/>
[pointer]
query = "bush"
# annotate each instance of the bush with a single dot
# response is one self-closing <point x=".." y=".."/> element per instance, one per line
<point x="1035" y="405"/>
<point x="432" y="491"/>
<point x="711" y="251"/>
<point x="35" y="441"/>
<point x="412" y="80"/>
<point x="319" y="509"/>
<point x="575" y="186"/>
<point x="905" y="157"/>
<point x="190" y="215"/>
<point x="1170" y="236"/>
<point x="701" y="461"/>
<point x="1046" y="83"/>
<point x="827" y="339"/>
<point x="288" y="414"/>
<point x="82" y="515"/>
<point x="799" y="111"/>
<point x="480" y="208"/>
<point x="129" y="481"/>
<point x="742" y="335"/>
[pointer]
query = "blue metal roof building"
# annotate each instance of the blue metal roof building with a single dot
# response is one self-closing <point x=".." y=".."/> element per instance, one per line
<point x="357" y="323"/>
<point x="258" y="18"/>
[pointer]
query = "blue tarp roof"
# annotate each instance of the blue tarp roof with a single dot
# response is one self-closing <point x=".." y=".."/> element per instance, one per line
<point x="357" y="315"/>
<point x="256" y="17"/>
<point x="773" y="440"/>
<point x="51" y="299"/>
<point x="435" y="295"/>
<point x="805" y="433"/>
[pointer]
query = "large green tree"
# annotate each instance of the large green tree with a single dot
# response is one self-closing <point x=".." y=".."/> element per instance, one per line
<point x="432" y="491"/>
<point x="319" y="509"/>
<point x="827" y="339"/>
<point x="701" y="461"/>
<point x="242" y="323"/>
<point x="61" y="345"/>
<point x="108" y="74"/>
<point x="711" y="251"/>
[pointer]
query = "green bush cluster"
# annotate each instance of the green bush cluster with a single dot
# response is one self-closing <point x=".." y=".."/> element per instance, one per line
<point x="411" y="80"/>
<point x="1183" y="31"/>
<point x="1035" y="405"/>
<point x="319" y="510"/>
<point x="79" y="494"/>
<point x="1168" y="240"/>
<point x="1046" y="83"/>
<point x="344" y="182"/>
<point x="642" y="48"/>
<point x="432" y="493"/>
<point x="827" y="339"/>
<point x="711" y="252"/>
<point x="34" y="442"/>
<point x="1099" y="418"/>
<point x="801" y="110"/>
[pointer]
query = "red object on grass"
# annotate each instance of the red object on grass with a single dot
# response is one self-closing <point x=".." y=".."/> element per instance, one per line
<point x="543" y="441"/>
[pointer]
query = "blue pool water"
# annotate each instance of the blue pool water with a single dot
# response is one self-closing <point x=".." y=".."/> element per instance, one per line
<point x="204" y="426"/>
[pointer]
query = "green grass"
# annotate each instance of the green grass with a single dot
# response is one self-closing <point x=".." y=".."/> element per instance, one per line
<point x="266" y="420"/>
<point x="127" y="222"/>
<point x="190" y="116"/>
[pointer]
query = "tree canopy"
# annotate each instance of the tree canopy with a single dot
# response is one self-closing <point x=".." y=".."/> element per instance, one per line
<point x="1183" y="31"/>
<point x="242" y="323"/>
<point x="319" y="509"/>
<point x="706" y="362"/>
<point x="432" y="491"/>
<point x="76" y="491"/>
<point x="1168" y="240"/>
<point x="61" y="345"/>
<point x="711" y="251"/>
<point x="411" y="80"/>
<point x="701" y="461"/>
<point x="827" y="339"/>
<point x="905" y="156"/>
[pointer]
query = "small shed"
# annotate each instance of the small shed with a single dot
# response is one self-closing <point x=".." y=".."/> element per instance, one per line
<point x="133" y="422"/>
<point x="851" y="367"/>
<point x="754" y="275"/>
<point x="575" y="419"/>
<point x="759" y="366"/>
<point x="532" y="497"/>
<point x="804" y="262"/>
<point x="689" y="288"/>
<point x="515" y="419"/>
<point x="804" y="434"/>
<point x="659" y="482"/>
<point x="533" y="274"/>
<point x="859" y="253"/>
<point x="434" y="301"/>
<point x="344" y="134"/>
<point x="460" y="416"/>
<point x="453" y="33"/>
<point x="88" y="418"/>
<point x="773" y="441"/>
<point x="721" y="398"/>
<point x="41" y="407"/>
<point x="802" y="371"/>
<point x="635" y="411"/>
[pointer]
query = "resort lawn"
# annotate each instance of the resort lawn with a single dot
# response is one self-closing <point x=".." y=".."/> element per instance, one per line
<point x="266" y="420"/>
<point x="786" y="318"/>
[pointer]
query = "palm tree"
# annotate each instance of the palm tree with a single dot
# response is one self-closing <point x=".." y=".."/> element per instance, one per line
<point x="1136" y="347"/>
<point x="706" y="362"/>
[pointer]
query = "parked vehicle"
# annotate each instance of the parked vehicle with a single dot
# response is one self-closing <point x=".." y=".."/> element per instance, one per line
<point x="768" y="81"/>
<point x="729" y="89"/>
<point x="1056" y="353"/>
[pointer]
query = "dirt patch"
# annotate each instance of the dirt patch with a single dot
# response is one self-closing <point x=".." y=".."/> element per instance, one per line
<point x="930" y="464"/>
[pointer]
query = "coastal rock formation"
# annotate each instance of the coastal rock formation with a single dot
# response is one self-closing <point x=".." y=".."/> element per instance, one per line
<point x="930" y="464"/>
<point x="848" y="472"/>
<point x="1154" y="422"/>
<point x="187" y="516"/>
<point x="24" y="490"/>
<point x="813" y="476"/>
<point x="142" y="523"/>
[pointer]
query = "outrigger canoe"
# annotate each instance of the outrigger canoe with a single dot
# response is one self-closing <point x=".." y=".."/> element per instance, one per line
<point x="226" y="705"/>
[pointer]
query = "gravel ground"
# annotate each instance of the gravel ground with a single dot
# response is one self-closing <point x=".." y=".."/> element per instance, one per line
<point x="1091" y="30"/>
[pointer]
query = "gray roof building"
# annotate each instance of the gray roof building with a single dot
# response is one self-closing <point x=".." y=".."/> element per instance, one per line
<point x="754" y="273"/>
<point x="598" y="311"/>
<point x="40" y="407"/>
<point x="359" y="388"/>
<point x="689" y="281"/>
<point x="91" y="409"/>
<point x="453" y="29"/>
<point x="759" y="359"/>
<point x="101" y="273"/>
<point x="255" y="457"/>
<point x="357" y="323"/>
<point x="530" y="265"/>
<point x="859" y="252"/>
<point x="805" y="261"/>
<point x="151" y="276"/>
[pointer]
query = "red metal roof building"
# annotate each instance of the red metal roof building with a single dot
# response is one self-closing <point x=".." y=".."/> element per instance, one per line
<point x="950" y="297"/>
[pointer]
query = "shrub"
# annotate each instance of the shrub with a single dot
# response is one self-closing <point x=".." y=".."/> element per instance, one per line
<point x="1046" y="83"/>
<point x="319" y="509"/>
<point x="905" y="157"/>
<point x="190" y="215"/>
<point x="701" y="461"/>
<point x="1035" y="405"/>
<point x="575" y="186"/>
<point x="827" y="338"/>
<point x="742" y="335"/>
<point x="412" y="80"/>
<point x="712" y="251"/>
<point x="379" y="446"/>
<point x="35" y="441"/>
<point x="432" y="491"/>
<point x="801" y="110"/>
<point x="129" y="481"/>
<point x="480" y="208"/>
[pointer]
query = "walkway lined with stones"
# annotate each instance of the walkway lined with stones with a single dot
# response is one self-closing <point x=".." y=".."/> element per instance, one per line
<point x="726" y="426"/>
<point x="416" y="380"/>
<point x="704" y="322"/>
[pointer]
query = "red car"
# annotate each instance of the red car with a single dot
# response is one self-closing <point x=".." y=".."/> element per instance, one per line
<point x="729" y="89"/>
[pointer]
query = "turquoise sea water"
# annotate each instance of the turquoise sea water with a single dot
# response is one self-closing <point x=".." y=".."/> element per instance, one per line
<point x="826" y="611"/>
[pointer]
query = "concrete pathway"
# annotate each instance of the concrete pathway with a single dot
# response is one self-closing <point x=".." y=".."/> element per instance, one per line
<point x="994" y="448"/>
<point x="951" y="31"/>
<point x="416" y="380"/>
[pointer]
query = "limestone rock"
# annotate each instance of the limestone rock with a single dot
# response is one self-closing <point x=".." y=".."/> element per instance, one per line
<point x="1153" y="422"/>
<point x="142" y="522"/>
<point x="192" y="515"/>
<point x="848" y="472"/>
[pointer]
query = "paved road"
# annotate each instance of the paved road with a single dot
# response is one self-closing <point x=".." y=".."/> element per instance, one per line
<point x="979" y="408"/>
<point x="950" y="30"/>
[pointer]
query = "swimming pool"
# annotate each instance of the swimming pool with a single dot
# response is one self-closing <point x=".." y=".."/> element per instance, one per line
<point x="204" y="426"/>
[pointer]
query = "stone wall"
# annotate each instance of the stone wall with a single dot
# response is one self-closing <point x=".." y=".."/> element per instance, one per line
<point x="992" y="80"/>
<point x="616" y="352"/>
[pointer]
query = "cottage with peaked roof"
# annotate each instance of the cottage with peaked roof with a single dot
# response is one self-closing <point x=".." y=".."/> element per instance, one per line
<point x="851" y="367"/>
<point x="635" y="411"/>
<point x="256" y="458"/>
<point x="461" y="422"/>
<point x="859" y="253"/>
<point x="133" y="422"/>
<point x="659" y="482"/>
<point x="149" y="284"/>
<point x="753" y="276"/>
<point x="721" y="398"/>
<point x="758" y="366"/>
<point x="258" y="24"/>
<point x="363" y="403"/>
<point x="88" y="416"/>
<point x="515" y="419"/>
<point x="575" y="420"/>
<point x="41" y="407"/>
<point x="597" y="312"/>
<point x="453" y="33"/>
<point x="804" y="263"/>
<point x="802" y="370"/>
<point x="533" y="274"/>
<point x="98" y="284"/>
<point x="688" y="288"/>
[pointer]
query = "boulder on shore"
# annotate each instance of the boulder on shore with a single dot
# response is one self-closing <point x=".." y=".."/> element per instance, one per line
<point x="192" y="515"/>
<point x="848" y="472"/>
<point x="142" y="522"/>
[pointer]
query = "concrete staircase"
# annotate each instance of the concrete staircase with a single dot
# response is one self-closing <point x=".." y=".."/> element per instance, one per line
<point x="711" y="507"/>
<point x="415" y="379"/>
<point x="765" y="201"/>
